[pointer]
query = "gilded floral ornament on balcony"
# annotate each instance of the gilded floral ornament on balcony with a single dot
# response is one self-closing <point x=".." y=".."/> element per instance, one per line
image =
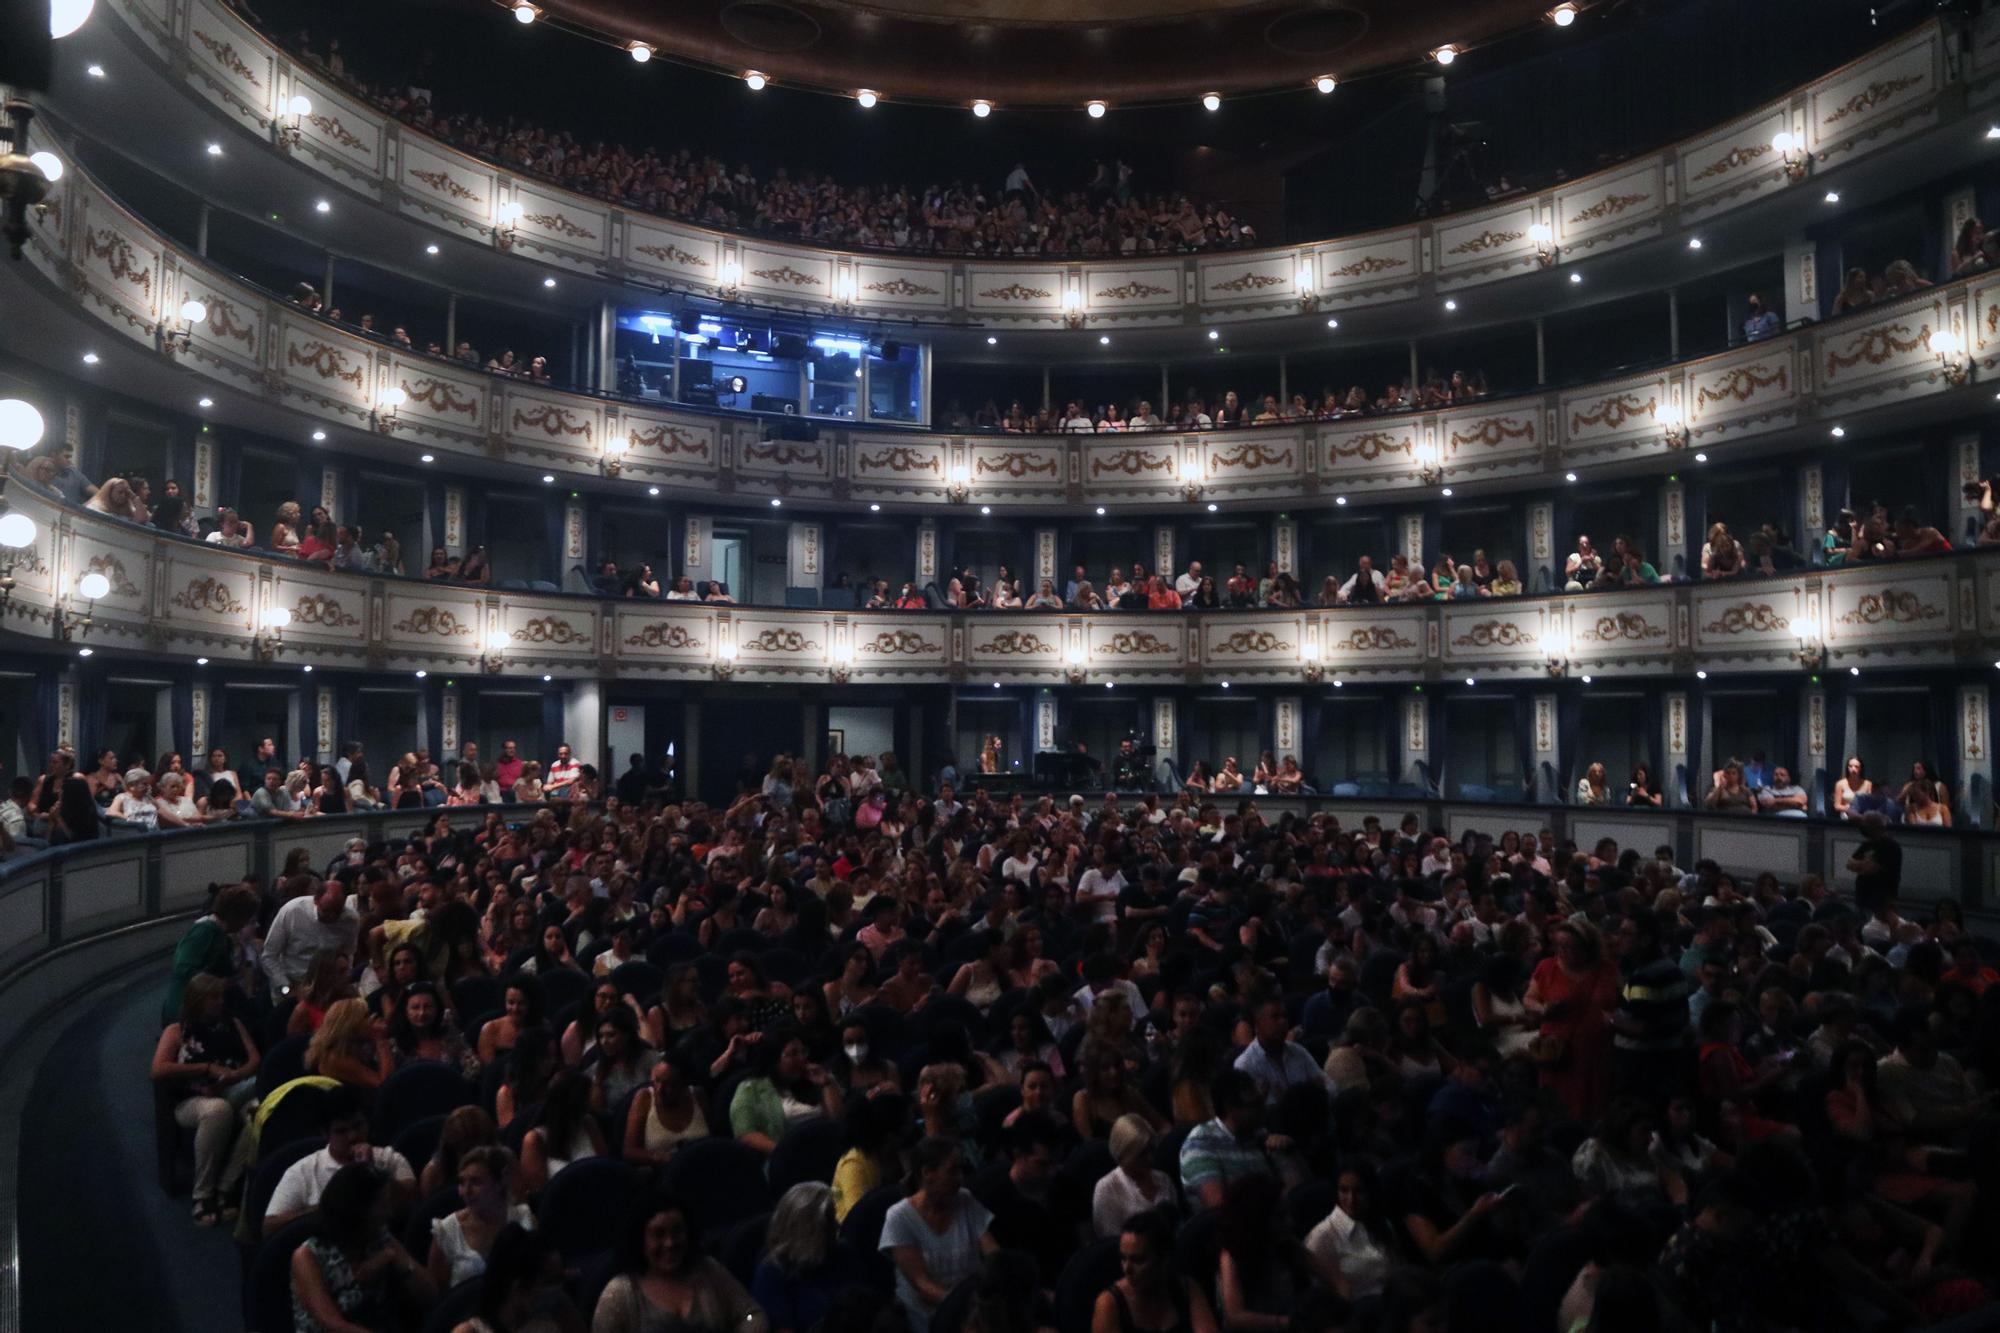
<point x="332" y="128"/>
<point x="441" y="396"/>
<point x="324" y="360"/>
<point x="1610" y="205"/>
<point x="1132" y="463"/>
<point x="788" y="275"/>
<point x="671" y="254"/>
<point x="1894" y="606"/>
<point x="324" y="611"/>
<point x="1748" y="618"/>
<point x="1741" y="383"/>
<point x="433" y="620"/>
<point x="781" y="641"/>
<point x="1741" y="156"/>
<point x="902" y="458"/>
<point x="119" y="260"/>
<point x="225" y="56"/>
<point x="1016" y="464"/>
<point x="1249" y="457"/>
<point x="1372" y="446"/>
<point x="560" y="224"/>
<point x="113" y="570"/>
<point x="1486" y="240"/>
<point x="1613" y="412"/>
<point x="1375" y="639"/>
<point x="1014" y="291"/>
<point x="1134" y="643"/>
<point x="781" y="455"/>
<point x="671" y="440"/>
<point x="1018" y="643"/>
<point x="1876" y="346"/>
<point x="899" y="287"/>
<point x="1254" y="641"/>
<point x="1492" y="432"/>
<point x="890" y="643"/>
<point x="222" y="323"/>
<point x="1247" y="282"/>
<point x="659" y="634"/>
<point x="1370" y="264"/>
<point x="1625" y="627"/>
<point x="1494" y="634"/>
<point x="209" y="595"/>
<point x="550" y="629"/>
<point x="1872" y="96"/>
<point x="552" y="421"/>
<point x="444" y="185"/>
<point x="1132" y="291"/>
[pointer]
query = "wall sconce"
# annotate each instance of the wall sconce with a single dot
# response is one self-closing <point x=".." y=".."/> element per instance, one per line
<point x="296" y="112"/>
<point x="1073" y="664"/>
<point x="270" y="632"/>
<point x="958" y="484"/>
<point x="615" y="449"/>
<point x="1544" y="237"/>
<point x="732" y="277"/>
<point x="1430" y="465"/>
<point x="90" y="586"/>
<point x="511" y="213"/>
<point x="1790" y="149"/>
<point x="25" y="177"/>
<point x="844" y="290"/>
<point x="1308" y="286"/>
<point x="1952" y="361"/>
<point x="1555" y="648"/>
<point x="1672" y="423"/>
<point x="21" y="428"/>
<point x="386" y="403"/>
<point x="1812" y="648"/>
<point x="1310" y="665"/>
<point x="495" y="656"/>
<point x="176" y="340"/>
<point x="1190" y="484"/>
<point x="725" y="653"/>
<point x="1072" y="305"/>
<point x="843" y="662"/>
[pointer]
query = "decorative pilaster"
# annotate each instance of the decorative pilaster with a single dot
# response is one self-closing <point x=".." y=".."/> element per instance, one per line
<point x="1541" y="543"/>
<point x="1817" y="778"/>
<point x="1416" y="741"/>
<point x="1801" y="281"/>
<point x="694" y="547"/>
<point x="1975" y="753"/>
<point x="573" y="530"/>
<point x="1045" y="722"/>
<point x="1045" y="559"/>
<point x="802" y="555"/>
<point x="1163" y="550"/>
<point x="323" y="740"/>
<point x="1547" y="749"/>
<point x="454" y="521"/>
<point x="448" y="725"/>
<point x="1677" y="722"/>
<point x="1285" y="546"/>
<point x="927" y="552"/>
<point x="202" y="491"/>
<point x="1286" y="715"/>
<point x="329" y="491"/>
<point x="1413" y="539"/>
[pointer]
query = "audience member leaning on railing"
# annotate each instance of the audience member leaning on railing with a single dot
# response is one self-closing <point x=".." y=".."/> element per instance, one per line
<point x="1136" y="414"/>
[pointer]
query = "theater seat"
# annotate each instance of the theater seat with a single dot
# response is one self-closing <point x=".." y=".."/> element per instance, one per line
<point x="457" y="1305"/>
<point x="808" y="1151"/>
<point x="1089" y="1271"/>
<point x="267" y="1295"/>
<point x="584" y="1206"/>
<point x="723" y="1179"/>
<point x="416" y="1092"/>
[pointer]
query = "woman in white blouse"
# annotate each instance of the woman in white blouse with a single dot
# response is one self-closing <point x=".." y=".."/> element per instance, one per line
<point x="1594" y="788"/>
<point x="134" y="805"/>
<point x="1136" y="1186"/>
<point x="175" y="807"/>
<point x="1354" y="1240"/>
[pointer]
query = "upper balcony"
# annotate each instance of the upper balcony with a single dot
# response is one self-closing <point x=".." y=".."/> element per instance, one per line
<point x="99" y="279"/>
<point x="1903" y="105"/>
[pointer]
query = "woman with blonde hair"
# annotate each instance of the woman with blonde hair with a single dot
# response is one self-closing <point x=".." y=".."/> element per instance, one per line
<point x="285" y="529"/>
<point x="327" y="983"/>
<point x="351" y="1046"/>
<point x="796" y="1280"/>
<point x="117" y="498"/>
<point x="1593" y="788"/>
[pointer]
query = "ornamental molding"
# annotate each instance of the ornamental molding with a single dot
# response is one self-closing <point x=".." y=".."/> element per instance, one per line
<point x="209" y="595"/>
<point x="1372" y="446"/>
<point x="1494" y="431"/>
<point x="560" y="224"/>
<point x="1493" y="634"/>
<point x="324" y="611"/>
<point x="1016" y="464"/>
<point x="443" y="183"/>
<point x="1486" y="240"/>
<point x="1891" y="606"/>
<point x="1370" y="264"/>
<point x="332" y="128"/>
<point x="433" y="620"/>
<point x="899" y="287"/>
<point x="892" y="642"/>
<point x="781" y="641"/>
<point x="120" y="261"/>
<point x="671" y="254"/>
<point x="1246" y="282"/>
<point x="1624" y="627"/>
<point x="552" y="421"/>
<point x="1253" y="641"/>
<point x="222" y="323"/>
<point x="1375" y="639"/>
<point x="1015" y="291"/>
<point x="1747" y="618"/>
<point x="551" y="629"/>
<point x="113" y="570"/>
<point x="441" y="396"/>
<point x="1132" y="463"/>
<point x="326" y="361"/>
<point x="1132" y="643"/>
<point x="1740" y="156"/>
<point x="1872" y="96"/>
<point x="903" y="458"/>
<point x="225" y="56"/>
<point x="1741" y="383"/>
<point x="1876" y="346"/>
<point x="1132" y="291"/>
<point x="780" y="455"/>
<point x="671" y="440"/>
<point x="660" y="634"/>
<point x="1613" y="412"/>
<point x="1017" y="643"/>
<point x="787" y="275"/>
<point x="1609" y="206"/>
<point x="1250" y="456"/>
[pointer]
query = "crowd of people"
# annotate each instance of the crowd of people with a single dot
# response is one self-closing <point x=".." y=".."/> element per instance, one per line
<point x="307" y="297"/>
<point x="1137" y="414"/>
<point x="1104" y="214"/>
<point x="1141" y="1065"/>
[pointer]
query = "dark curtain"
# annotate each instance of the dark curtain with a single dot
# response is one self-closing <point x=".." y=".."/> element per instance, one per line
<point x="1524" y="740"/>
<point x="229" y="479"/>
<point x="434" y="512"/>
<point x="433" y="737"/>
<point x="91" y="692"/>
<point x="552" y="723"/>
<point x="556" y="563"/>
<point x="181" y="708"/>
<point x="1435" y="736"/>
<point x="347" y="725"/>
<point x="1569" y="734"/>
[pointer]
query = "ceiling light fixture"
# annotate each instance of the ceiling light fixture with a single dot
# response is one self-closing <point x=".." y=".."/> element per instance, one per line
<point x="95" y="71"/>
<point x="432" y="458"/>
<point x="430" y="249"/>
<point x="1839" y="432"/>
<point x="90" y="358"/>
<point x="1211" y="101"/>
<point x="776" y="503"/>
<point x="526" y="13"/>
<point x="48" y="164"/>
<point x="215" y="150"/>
<point x="1445" y="54"/>
<point x="319" y="437"/>
<point x="1213" y="506"/>
<point x="1993" y="131"/>
<point x="1450" y="305"/>
<point x="548" y="282"/>
<point x="1213" y="335"/>
<point x="1446" y="492"/>
<point x="548" y="478"/>
<point x="66" y="16"/>
<point x="1576" y="277"/>
<point x="1340" y="499"/>
<point x="866" y="97"/>
<point x="992" y="341"/>
<point x="1326" y="83"/>
<point x="1563" y="15"/>
<point x="1100" y="514"/>
<point x="755" y="79"/>
<point x="1104" y="340"/>
<point x="1694" y="242"/>
<point x="640" y="52"/>
<point x="1832" y="196"/>
<point x="982" y="108"/>
<point x="206" y="402"/>
<point x="1096" y="110"/>
<point x="874" y="508"/>
<point x="322" y="207"/>
<point x="1333" y="323"/>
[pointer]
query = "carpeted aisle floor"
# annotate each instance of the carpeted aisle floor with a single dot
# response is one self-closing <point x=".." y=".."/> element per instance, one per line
<point x="101" y="1246"/>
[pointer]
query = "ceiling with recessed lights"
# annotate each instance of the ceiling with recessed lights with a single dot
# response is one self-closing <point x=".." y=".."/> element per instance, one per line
<point x="1050" y="52"/>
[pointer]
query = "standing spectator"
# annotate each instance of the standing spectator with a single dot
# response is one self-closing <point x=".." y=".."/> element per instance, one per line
<point x="303" y="928"/>
<point x="507" y="771"/>
<point x="209" y="946"/>
<point x="1762" y="322"/>
<point x="562" y="775"/>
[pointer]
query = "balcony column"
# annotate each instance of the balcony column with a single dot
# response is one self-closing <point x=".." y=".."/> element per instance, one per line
<point x="1413" y="365"/>
<point x="1045" y="561"/>
<point x="1548" y="776"/>
<point x="694" y="547"/>
<point x="575" y="540"/>
<point x="1674" y="536"/>
<point x="1673" y="323"/>
<point x="1413" y="541"/>
<point x="1975" y="755"/>
<point x="1163" y="550"/>
<point x="1166" y="729"/>
<point x="1960" y="207"/>
<point x="583" y="725"/>
<point x="1414" y="743"/>
<point x="1676" y="726"/>
<point x="326" y="282"/>
<point x="325" y="743"/>
<point x="1284" y="549"/>
<point x="927" y="552"/>
<point x="201" y="231"/>
<point x="451" y="324"/>
<point x="1284" y="382"/>
<point x="607" y="347"/>
<point x="803" y="564"/>
<point x="1287" y="727"/>
<point x="1812" y="511"/>
<point x="1045" y="385"/>
<point x="1541" y="548"/>
<point x="1161" y="407"/>
<point x="1801" y="281"/>
<point x="1965" y="454"/>
<point x="453" y="536"/>
<point x="1047" y="722"/>
<point x="1815" y="771"/>
<point x="329" y="491"/>
<point x="1541" y="353"/>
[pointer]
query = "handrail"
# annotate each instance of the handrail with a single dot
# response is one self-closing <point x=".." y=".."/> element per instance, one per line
<point x="1895" y="91"/>
<point x="179" y="598"/>
<point x="132" y="280"/>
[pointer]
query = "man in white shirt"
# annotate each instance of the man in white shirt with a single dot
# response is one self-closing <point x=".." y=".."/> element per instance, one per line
<point x="1076" y="421"/>
<point x="1783" y="796"/>
<point x="1366" y="578"/>
<point x="1097" y="889"/>
<point x="1273" y="1061"/>
<point x="346" y="1142"/>
<point x="1189" y="583"/>
<point x="562" y="775"/>
<point x="1143" y="419"/>
<point x="303" y="927"/>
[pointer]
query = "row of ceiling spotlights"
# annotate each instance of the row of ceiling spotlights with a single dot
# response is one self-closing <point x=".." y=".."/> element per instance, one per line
<point x="1562" y="16"/>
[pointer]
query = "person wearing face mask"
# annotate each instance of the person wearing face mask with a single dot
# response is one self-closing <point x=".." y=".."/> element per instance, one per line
<point x="858" y="1068"/>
